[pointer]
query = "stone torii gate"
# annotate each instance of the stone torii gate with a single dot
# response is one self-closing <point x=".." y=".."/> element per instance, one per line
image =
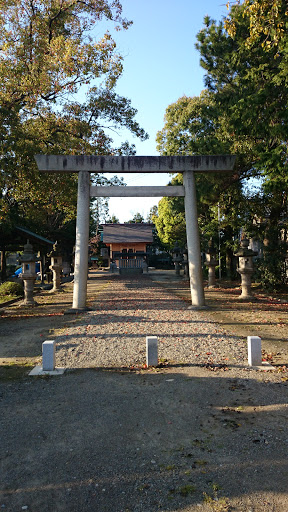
<point x="85" y="165"/>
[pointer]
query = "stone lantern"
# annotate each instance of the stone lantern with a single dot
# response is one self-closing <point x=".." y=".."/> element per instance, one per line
<point x="56" y="267"/>
<point x="28" y="260"/>
<point x="211" y="263"/>
<point x="185" y="262"/>
<point x="177" y="258"/>
<point x="245" y="269"/>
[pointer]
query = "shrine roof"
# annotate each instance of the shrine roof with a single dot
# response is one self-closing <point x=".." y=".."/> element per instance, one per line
<point x="123" y="233"/>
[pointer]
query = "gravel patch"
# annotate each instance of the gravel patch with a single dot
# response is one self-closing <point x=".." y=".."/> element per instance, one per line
<point x="125" y="311"/>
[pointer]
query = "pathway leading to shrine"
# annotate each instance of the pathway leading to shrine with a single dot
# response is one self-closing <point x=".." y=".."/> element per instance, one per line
<point x="177" y="438"/>
<point x="125" y="311"/>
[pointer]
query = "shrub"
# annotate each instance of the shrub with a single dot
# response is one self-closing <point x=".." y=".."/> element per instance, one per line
<point x="11" y="288"/>
<point x="270" y="271"/>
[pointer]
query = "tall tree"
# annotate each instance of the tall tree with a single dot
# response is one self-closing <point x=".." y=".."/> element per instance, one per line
<point x="112" y="220"/>
<point x="47" y="55"/>
<point x="152" y="213"/>
<point x="245" y="70"/>
<point x="137" y="219"/>
<point x="170" y="223"/>
<point x="195" y="126"/>
<point x="46" y="50"/>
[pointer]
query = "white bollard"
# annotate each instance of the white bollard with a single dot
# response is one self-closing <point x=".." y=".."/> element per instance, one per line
<point x="48" y="355"/>
<point x="254" y="351"/>
<point x="151" y="350"/>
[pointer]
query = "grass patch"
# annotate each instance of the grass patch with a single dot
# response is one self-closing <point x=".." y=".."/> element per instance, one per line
<point x="10" y="291"/>
<point x="7" y="298"/>
<point x="184" y="490"/>
<point x="11" y="288"/>
<point x="216" y="503"/>
<point x="15" y="371"/>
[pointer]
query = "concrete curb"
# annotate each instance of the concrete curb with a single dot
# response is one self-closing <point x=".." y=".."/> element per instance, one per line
<point x="38" y="370"/>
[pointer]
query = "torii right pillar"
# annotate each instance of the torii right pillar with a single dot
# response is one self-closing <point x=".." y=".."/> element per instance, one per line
<point x="193" y="241"/>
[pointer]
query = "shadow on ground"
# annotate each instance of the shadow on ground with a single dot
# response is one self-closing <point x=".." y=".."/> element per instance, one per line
<point x="116" y="441"/>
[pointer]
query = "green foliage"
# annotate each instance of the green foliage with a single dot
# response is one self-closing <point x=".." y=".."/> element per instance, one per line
<point x="243" y="111"/>
<point x="153" y="213"/>
<point x="184" y="490"/>
<point x="112" y="220"/>
<point x="48" y="53"/>
<point x="271" y="270"/>
<point x="137" y="218"/>
<point x="216" y="503"/>
<point x="14" y="372"/>
<point x="267" y="22"/>
<point x="246" y="72"/>
<point x="170" y="220"/>
<point x="11" y="288"/>
<point x="194" y="126"/>
<point x="248" y="87"/>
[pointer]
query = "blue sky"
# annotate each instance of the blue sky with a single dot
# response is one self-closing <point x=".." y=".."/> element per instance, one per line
<point x="161" y="64"/>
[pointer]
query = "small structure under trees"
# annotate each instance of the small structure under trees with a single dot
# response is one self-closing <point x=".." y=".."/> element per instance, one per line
<point x="128" y="244"/>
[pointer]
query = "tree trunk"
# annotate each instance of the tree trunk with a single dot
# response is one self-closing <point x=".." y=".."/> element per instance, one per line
<point x="3" y="265"/>
<point x="229" y="262"/>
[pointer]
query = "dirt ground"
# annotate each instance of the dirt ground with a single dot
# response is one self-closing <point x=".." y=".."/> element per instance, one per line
<point x="175" y="438"/>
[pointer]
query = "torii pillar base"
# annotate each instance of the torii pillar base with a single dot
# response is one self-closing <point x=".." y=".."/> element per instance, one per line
<point x="75" y="311"/>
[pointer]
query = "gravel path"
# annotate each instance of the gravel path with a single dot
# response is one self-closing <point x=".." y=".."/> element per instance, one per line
<point x="125" y="311"/>
<point x="182" y="438"/>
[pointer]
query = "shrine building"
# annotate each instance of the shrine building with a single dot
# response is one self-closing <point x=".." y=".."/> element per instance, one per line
<point x="127" y="245"/>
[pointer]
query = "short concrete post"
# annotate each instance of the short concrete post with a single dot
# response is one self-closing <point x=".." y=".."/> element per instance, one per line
<point x="82" y="238"/>
<point x="151" y="350"/>
<point x="254" y="351"/>
<point x="48" y="355"/>
<point x="193" y="241"/>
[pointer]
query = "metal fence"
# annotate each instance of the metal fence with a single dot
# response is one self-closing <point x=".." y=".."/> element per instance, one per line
<point x="131" y="263"/>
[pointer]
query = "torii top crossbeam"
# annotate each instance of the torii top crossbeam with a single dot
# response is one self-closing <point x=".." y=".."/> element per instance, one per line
<point x="134" y="164"/>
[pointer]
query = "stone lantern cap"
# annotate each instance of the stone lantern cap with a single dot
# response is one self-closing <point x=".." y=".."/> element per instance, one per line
<point x="28" y="255"/>
<point x="177" y="252"/>
<point x="185" y="253"/>
<point x="244" y="251"/>
<point x="56" y="251"/>
<point x="211" y="247"/>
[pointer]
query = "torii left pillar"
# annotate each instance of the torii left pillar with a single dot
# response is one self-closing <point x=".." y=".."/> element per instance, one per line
<point x="193" y="242"/>
<point x="82" y="239"/>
